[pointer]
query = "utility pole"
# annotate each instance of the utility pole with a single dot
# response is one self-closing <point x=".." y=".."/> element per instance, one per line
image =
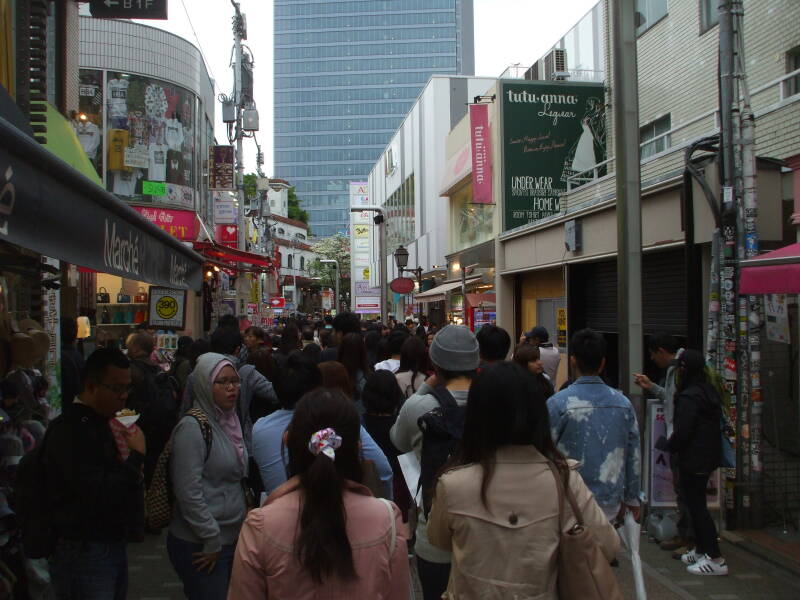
<point x="239" y="34"/>
<point x="629" y="208"/>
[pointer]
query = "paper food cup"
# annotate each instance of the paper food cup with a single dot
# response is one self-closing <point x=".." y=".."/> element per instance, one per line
<point x="128" y="421"/>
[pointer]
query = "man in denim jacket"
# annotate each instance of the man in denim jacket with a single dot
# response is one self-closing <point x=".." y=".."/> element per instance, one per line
<point x="596" y="425"/>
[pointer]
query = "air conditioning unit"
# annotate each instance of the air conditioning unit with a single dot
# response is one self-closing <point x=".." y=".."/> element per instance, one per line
<point x="555" y="64"/>
<point x="533" y="73"/>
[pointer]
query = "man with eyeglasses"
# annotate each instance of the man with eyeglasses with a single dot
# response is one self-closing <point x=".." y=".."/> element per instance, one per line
<point x="91" y="492"/>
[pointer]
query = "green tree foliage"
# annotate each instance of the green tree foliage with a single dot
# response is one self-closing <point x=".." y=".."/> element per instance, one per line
<point x="336" y="247"/>
<point x="250" y="188"/>
<point x="295" y="212"/>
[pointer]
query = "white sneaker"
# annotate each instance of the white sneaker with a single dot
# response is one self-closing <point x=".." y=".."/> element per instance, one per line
<point x="708" y="566"/>
<point x="691" y="557"/>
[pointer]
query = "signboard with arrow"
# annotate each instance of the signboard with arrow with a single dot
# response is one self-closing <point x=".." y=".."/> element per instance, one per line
<point x="129" y="9"/>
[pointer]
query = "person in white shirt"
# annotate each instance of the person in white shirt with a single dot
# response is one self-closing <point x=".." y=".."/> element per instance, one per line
<point x="550" y="355"/>
<point x="395" y="346"/>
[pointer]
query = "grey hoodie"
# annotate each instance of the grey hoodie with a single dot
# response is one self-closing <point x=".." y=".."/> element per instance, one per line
<point x="209" y="498"/>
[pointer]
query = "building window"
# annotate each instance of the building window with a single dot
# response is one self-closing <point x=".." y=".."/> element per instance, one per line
<point x="290" y="261"/>
<point x="709" y="14"/>
<point x="653" y="138"/>
<point x="302" y="263"/>
<point x="792" y="85"/>
<point x="648" y="13"/>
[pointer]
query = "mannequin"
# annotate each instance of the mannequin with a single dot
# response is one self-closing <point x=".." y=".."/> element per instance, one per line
<point x="32" y="386"/>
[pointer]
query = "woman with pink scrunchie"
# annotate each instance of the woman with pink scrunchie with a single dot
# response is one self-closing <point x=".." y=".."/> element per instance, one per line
<point x="322" y="533"/>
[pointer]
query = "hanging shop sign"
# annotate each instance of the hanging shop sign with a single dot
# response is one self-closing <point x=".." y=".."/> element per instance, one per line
<point x="277" y="302"/>
<point x="167" y="308"/>
<point x="777" y="318"/>
<point x="129" y="9"/>
<point x="552" y="132"/>
<point x="221" y="168"/>
<point x="48" y="207"/>
<point x="227" y="235"/>
<point x="181" y="224"/>
<point x="481" y="154"/>
<point x="402" y="285"/>
<point x="154" y="188"/>
<point x="224" y="212"/>
<point x="327" y="299"/>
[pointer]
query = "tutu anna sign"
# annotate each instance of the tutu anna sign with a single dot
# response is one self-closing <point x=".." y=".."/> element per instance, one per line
<point x="552" y="132"/>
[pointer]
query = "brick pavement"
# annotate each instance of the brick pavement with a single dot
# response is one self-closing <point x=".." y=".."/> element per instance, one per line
<point x="751" y="578"/>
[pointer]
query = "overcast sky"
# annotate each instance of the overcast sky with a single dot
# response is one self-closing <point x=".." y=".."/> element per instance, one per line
<point x="506" y="32"/>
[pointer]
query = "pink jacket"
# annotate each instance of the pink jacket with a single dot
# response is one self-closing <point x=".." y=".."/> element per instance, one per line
<point x="265" y="566"/>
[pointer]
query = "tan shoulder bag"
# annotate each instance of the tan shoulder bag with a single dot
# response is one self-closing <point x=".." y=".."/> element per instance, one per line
<point x="583" y="571"/>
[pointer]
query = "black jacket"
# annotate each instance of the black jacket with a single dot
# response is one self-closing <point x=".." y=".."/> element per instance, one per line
<point x="697" y="437"/>
<point x="91" y="491"/>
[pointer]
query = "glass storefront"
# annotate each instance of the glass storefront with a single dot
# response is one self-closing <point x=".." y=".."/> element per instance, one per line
<point x="140" y="134"/>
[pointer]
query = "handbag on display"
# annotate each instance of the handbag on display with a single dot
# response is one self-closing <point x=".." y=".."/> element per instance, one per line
<point x="118" y="318"/>
<point x="584" y="573"/>
<point x="139" y="316"/>
<point x="141" y="296"/>
<point x="103" y="297"/>
<point x="123" y="298"/>
<point x="105" y="316"/>
<point x="128" y="316"/>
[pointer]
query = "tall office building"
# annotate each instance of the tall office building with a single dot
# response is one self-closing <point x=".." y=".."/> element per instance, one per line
<point x="346" y="73"/>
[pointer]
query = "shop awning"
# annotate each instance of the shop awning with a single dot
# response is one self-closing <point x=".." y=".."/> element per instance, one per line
<point x="458" y="166"/>
<point x="49" y="207"/>
<point x="438" y="293"/>
<point x="776" y="272"/>
<point x="481" y="299"/>
<point x="63" y="142"/>
<point x="232" y="255"/>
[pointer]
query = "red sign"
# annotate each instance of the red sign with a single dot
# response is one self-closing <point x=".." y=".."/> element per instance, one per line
<point x="181" y="224"/>
<point x="277" y="302"/>
<point x="227" y="235"/>
<point x="402" y="285"/>
<point x="481" y="154"/>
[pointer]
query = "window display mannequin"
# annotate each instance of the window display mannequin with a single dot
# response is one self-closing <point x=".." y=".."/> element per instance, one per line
<point x="29" y="381"/>
<point x="117" y="101"/>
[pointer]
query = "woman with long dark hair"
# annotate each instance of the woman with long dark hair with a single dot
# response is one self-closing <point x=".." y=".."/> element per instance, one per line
<point x="353" y="355"/>
<point x="414" y="366"/>
<point x="529" y="358"/>
<point x="497" y="497"/>
<point x="697" y="440"/>
<point x="322" y="533"/>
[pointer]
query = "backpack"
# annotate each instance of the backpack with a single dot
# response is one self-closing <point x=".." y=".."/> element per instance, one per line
<point x="159" y="497"/>
<point x="441" y="429"/>
<point x="31" y="505"/>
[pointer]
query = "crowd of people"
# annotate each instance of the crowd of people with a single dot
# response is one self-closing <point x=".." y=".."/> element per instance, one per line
<point x="284" y="453"/>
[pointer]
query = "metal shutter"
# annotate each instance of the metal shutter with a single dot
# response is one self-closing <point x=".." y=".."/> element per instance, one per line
<point x="664" y="303"/>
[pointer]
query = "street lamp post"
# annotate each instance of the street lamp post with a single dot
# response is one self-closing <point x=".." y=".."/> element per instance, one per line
<point x="401" y="260"/>
<point x="335" y="264"/>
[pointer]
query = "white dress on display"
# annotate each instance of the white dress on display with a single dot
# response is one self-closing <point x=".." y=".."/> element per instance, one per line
<point x="584" y="158"/>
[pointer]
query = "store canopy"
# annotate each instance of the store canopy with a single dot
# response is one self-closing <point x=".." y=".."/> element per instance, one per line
<point x="63" y="142"/>
<point x="481" y="299"/>
<point x="232" y="255"/>
<point x="438" y="293"/>
<point x="49" y="207"/>
<point x="776" y="272"/>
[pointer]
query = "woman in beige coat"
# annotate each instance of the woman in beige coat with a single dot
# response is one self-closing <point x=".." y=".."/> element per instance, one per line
<point x="496" y="505"/>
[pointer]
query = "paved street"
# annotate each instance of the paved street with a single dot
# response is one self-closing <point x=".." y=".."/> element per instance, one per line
<point x="751" y="578"/>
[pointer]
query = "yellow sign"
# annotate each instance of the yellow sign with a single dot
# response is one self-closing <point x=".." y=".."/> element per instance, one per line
<point x="561" y="327"/>
<point x="167" y="307"/>
<point x="365" y="272"/>
<point x="361" y="231"/>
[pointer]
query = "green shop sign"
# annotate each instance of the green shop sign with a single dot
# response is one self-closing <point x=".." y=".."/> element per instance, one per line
<point x="154" y="188"/>
<point x="552" y="131"/>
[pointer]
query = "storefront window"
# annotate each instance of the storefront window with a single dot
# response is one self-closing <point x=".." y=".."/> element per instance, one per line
<point x="89" y="124"/>
<point x="400" y="221"/>
<point x="151" y="152"/>
<point x="472" y="223"/>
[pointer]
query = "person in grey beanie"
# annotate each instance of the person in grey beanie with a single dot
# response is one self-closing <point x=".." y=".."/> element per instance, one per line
<point x="455" y="355"/>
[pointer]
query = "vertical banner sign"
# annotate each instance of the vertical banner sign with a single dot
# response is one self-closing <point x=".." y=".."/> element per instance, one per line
<point x="481" y="154"/>
<point x="51" y="310"/>
<point x="552" y="133"/>
<point x="365" y="298"/>
<point x="221" y="168"/>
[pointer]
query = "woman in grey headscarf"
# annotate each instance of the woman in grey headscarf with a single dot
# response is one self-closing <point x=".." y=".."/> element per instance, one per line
<point x="207" y="481"/>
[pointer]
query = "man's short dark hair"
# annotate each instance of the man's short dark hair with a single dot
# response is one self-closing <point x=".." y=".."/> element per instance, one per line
<point x="298" y="375"/>
<point x="396" y="340"/>
<point x="228" y="321"/>
<point x="663" y="340"/>
<point x="100" y="360"/>
<point x="69" y="330"/>
<point x="589" y="349"/>
<point x="494" y="342"/>
<point x="347" y="322"/>
<point x="308" y="334"/>
<point x="143" y="341"/>
<point x="445" y="376"/>
<point x="226" y="340"/>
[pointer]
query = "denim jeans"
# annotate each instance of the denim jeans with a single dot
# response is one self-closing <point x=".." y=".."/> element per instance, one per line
<point x="197" y="585"/>
<point x="90" y="570"/>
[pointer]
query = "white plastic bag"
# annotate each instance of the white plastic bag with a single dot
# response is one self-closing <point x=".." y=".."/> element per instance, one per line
<point x="630" y="534"/>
